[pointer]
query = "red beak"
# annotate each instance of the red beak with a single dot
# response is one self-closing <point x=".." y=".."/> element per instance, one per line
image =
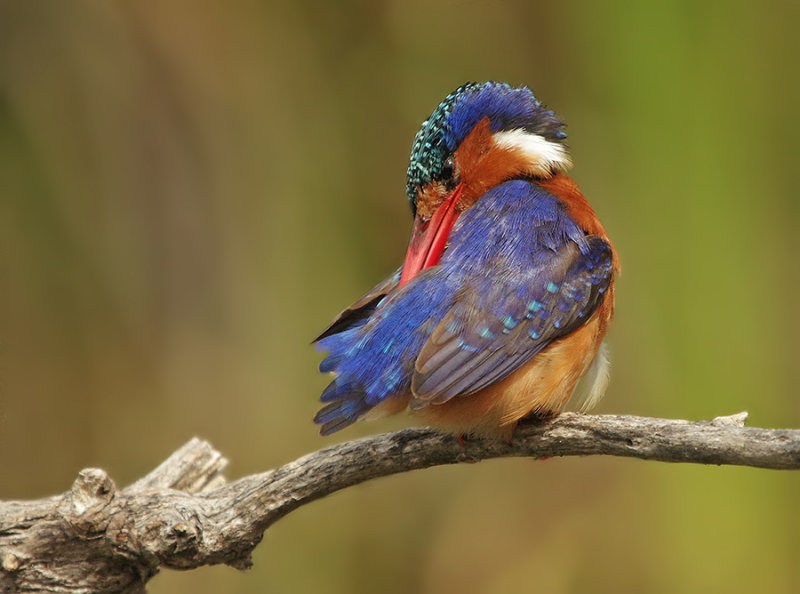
<point x="429" y="238"/>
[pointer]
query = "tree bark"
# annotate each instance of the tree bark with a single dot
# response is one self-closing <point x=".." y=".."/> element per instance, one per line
<point x="98" y="538"/>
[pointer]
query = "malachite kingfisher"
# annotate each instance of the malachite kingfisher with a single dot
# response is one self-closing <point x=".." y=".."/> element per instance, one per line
<point x="507" y="289"/>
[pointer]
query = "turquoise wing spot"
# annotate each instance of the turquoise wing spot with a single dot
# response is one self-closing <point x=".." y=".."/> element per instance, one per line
<point x="535" y="306"/>
<point x="467" y="347"/>
<point x="509" y="323"/>
<point x="486" y="333"/>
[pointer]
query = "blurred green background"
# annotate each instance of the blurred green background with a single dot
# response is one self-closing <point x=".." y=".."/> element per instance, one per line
<point x="192" y="189"/>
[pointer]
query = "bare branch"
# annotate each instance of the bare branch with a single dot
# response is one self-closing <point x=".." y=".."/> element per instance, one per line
<point x="96" y="538"/>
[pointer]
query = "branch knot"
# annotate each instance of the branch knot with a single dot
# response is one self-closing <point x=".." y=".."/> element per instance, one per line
<point x="91" y="491"/>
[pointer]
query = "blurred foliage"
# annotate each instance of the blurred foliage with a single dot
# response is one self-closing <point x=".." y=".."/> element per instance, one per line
<point x="191" y="190"/>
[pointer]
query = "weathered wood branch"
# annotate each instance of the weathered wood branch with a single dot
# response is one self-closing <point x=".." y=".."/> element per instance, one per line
<point x="97" y="538"/>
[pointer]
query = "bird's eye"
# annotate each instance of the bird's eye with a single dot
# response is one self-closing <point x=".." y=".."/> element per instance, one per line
<point x="448" y="169"/>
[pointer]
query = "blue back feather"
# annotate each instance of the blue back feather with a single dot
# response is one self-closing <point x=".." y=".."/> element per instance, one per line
<point x="518" y="273"/>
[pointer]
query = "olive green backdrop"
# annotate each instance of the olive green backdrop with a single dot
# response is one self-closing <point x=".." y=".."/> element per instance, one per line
<point x="192" y="189"/>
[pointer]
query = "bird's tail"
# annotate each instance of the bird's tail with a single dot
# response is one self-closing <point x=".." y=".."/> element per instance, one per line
<point x="345" y="406"/>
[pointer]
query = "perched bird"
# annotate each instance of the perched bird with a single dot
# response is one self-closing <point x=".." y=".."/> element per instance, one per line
<point x="507" y="288"/>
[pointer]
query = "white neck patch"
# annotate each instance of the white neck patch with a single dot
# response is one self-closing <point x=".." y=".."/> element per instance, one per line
<point x="544" y="155"/>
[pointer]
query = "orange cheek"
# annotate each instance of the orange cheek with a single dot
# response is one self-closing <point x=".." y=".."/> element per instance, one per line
<point x="430" y="198"/>
<point x="483" y="165"/>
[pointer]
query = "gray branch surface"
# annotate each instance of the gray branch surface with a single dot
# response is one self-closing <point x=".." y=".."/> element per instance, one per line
<point x="98" y="538"/>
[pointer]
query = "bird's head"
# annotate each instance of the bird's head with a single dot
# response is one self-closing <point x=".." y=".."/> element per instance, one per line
<point x="481" y="135"/>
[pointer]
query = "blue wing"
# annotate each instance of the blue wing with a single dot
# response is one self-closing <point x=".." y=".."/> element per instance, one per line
<point x="501" y="321"/>
<point x="517" y="274"/>
<point x="360" y="311"/>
